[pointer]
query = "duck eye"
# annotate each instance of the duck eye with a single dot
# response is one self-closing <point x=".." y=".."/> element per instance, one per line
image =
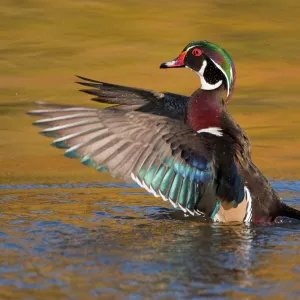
<point x="196" y="52"/>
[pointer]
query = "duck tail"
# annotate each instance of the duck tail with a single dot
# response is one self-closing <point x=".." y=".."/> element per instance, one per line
<point x="290" y="212"/>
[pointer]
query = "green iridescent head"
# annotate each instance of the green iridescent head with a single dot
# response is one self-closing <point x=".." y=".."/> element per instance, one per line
<point x="212" y="63"/>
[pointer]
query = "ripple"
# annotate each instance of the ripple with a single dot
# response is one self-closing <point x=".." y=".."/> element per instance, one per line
<point x="41" y="212"/>
<point x="3" y="234"/>
<point x="10" y="246"/>
<point x="130" y="244"/>
<point x="279" y="186"/>
<point x="68" y="185"/>
<point x="286" y="186"/>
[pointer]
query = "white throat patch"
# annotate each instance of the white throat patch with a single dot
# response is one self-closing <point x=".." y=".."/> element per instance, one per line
<point x="204" y="84"/>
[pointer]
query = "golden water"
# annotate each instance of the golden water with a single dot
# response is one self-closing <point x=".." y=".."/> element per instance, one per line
<point x="68" y="231"/>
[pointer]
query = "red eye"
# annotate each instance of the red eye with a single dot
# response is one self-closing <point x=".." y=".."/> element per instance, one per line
<point x="196" y="52"/>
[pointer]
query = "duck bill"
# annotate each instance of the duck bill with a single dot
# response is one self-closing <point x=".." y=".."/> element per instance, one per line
<point x="175" y="63"/>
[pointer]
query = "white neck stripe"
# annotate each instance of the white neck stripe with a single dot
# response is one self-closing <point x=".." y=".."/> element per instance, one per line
<point x="204" y="84"/>
<point x="227" y="79"/>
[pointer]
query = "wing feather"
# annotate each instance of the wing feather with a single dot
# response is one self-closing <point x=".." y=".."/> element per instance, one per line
<point x="140" y="139"/>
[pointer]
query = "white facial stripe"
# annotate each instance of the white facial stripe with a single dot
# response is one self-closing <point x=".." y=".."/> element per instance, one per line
<point x="212" y="130"/>
<point x="248" y="216"/>
<point x="204" y="84"/>
<point x="227" y="79"/>
<point x="187" y="50"/>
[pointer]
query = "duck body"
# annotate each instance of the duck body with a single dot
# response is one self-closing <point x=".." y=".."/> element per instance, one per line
<point x="186" y="150"/>
<point x="257" y="201"/>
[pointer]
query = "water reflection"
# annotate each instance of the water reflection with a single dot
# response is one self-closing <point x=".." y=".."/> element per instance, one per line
<point x="115" y="242"/>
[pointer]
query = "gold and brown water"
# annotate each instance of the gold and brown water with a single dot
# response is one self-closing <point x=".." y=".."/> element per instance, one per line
<point x="69" y="232"/>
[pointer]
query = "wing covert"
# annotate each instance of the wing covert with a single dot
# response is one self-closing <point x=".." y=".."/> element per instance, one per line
<point x="122" y="95"/>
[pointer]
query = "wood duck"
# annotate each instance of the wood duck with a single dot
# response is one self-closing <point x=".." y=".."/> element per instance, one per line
<point x="186" y="150"/>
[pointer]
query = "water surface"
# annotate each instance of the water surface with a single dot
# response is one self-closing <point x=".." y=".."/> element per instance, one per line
<point x="114" y="241"/>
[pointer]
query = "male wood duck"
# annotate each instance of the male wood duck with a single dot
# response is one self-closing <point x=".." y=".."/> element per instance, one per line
<point x="186" y="150"/>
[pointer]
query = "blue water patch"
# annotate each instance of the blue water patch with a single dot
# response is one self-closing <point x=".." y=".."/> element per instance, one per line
<point x="41" y="212"/>
<point x="3" y="235"/>
<point x="134" y="193"/>
<point x="286" y="186"/>
<point x="279" y="186"/>
<point x="11" y="269"/>
<point x="100" y="291"/>
<point x="8" y="198"/>
<point x="10" y="246"/>
<point x="68" y="185"/>
<point x="48" y="224"/>
<point x="15" y="222"/>
<point x="103" y="214"/>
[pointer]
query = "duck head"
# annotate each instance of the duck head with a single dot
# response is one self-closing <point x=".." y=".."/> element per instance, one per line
<point x="212" y="63"/>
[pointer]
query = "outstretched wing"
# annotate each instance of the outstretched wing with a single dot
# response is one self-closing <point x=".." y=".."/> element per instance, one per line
<point x="145" y="143"/>
<point x="123" y="95"/>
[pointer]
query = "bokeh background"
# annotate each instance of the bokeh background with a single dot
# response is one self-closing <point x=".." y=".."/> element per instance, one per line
<point x="70" y="232"/>
<point x="45" y="43"/>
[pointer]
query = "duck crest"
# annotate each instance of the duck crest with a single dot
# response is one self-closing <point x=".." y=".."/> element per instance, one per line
<point x="204" y="110"/>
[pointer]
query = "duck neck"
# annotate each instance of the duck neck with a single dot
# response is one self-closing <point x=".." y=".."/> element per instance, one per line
<point x="204" y="109"/>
